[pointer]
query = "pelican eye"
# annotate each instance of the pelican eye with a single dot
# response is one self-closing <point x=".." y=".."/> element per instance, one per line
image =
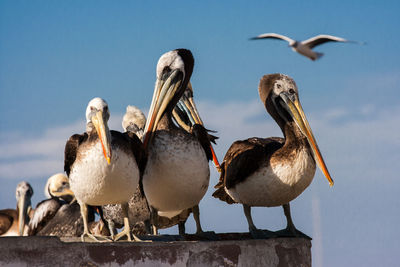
<point x="291" y="91"/>
<point x="164" y="74"/>
<point x="278" y="85"/>
<point x="64" y="183"/>
<point x="92" y="108"/>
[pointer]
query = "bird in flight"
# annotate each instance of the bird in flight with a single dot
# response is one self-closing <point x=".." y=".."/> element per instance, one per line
<point x="305" y="47"/>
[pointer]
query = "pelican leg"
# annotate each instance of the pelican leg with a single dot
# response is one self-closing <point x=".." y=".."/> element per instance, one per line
<point x="111" y="228"/>
<point x="196" y="215"/>
<point x="86" y="233"/>
<point x="290" y="230"/>
<point x="209" y="235"/>
<point x="147" y="225"/>
<point x="127" y="229"/>
<point x="181" y="227"/>
<point x="254" y="231"/>
<point x="154" y="220"/>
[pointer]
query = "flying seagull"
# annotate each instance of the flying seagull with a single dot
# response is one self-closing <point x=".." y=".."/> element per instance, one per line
<point x="305" y="47"/>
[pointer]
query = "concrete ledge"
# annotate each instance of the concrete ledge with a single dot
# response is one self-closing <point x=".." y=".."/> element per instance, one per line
<point x="51" y="251"/>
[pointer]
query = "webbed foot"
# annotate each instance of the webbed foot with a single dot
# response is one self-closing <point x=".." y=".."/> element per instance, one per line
<point x="126" y="232"/>
<point x="94" y="238"/>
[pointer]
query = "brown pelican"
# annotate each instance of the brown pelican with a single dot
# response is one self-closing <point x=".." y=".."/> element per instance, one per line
<point x="58" y="193"/>
<point x="186" y="115"/>
<point x="12" y="222"/>
<point x="58" y="215"/>
<point x="134" y="121"/>
<point x="305" y="47"/>
<point x="177" y="174"/>
<point x="103" y="166"/>
<point x="271" y="172"/>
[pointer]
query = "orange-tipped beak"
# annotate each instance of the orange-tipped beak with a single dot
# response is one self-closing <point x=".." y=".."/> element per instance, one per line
<point x="215" y="159"/>
<point x="300" y="118"/>
<point x="104" y="134"/>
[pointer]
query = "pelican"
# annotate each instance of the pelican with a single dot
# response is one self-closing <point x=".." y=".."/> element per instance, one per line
<point x="305" y="47"/>
<point x="58" y="214"/>
<point x="134" y="121"/>
<point x="12" y="222"/>
<point x="177" y="174"/>
<point x="103" y="166"/>
<point x="186" y="115"/>
<point x="269" y="172"/>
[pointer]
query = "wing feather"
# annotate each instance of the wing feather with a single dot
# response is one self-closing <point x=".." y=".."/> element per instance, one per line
<point x="205" y="139"/>
<point x="321" y="39"/>
<point x="273" y="36"/>
<point x="44" y="212"/>
<point x="6" y="221"/>
<point x="242" y="159"/>
<point x="71" y="148"/>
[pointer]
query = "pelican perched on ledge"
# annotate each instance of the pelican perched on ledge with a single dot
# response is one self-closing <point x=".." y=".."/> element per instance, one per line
<point x="187" y="116"/>
<point x="12" y="222"/>
<point x="57" y="215"/>
<point x="103" y="166"/>
<point x="271" y="172"/>
<point x="177" y="174"/>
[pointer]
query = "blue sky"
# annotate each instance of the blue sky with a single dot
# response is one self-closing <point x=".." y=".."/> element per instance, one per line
<point x="55" y="56"/>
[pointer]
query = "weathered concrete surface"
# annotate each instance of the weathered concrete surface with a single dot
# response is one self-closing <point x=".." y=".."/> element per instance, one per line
<point x="50" y="251"/>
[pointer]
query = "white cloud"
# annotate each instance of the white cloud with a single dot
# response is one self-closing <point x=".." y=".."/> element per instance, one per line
<point x="27" y="157"/>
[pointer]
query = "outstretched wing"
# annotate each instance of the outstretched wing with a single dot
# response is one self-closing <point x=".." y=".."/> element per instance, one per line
<point x="321" y="39"/>
<point x="71" y="148"/>
<point x="241" y="160"/>
<point x="273" y="36"/>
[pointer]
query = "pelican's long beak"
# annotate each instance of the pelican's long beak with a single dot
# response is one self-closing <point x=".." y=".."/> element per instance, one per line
<point x="186" y="104"/>
<point x="297" y="113"/>
<point x="23" y="205"/>
<point x="64" y="191"/>
<point x="104" y="134"/>
<point x="164" y="91"/>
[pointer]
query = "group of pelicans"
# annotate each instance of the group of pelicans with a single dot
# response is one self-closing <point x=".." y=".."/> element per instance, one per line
<point x="154" y="175"/>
